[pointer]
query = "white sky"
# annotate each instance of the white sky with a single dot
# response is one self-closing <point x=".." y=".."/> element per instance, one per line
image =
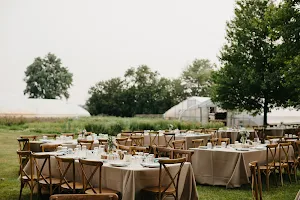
<point x="98" y="40"/>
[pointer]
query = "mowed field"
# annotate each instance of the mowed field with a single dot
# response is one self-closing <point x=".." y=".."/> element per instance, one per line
<point x="10" y="184"/>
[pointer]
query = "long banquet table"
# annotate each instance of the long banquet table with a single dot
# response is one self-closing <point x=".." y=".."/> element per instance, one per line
<point x="131" y="179"/>
<point x="225" y="166"/>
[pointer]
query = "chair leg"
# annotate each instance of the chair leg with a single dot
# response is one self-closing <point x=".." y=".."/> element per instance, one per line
<point x="289" y="173"/>
<point x="21" y="189"/>
<point x="268" y="181"/>
<point x="281" y="178"/>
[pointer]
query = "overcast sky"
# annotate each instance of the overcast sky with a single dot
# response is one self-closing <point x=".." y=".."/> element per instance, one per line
<point x="98" y="40"/>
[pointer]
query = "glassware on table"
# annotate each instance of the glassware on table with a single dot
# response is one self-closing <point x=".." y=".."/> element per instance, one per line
<point x="70" y="151"/>
<point x="209" y="145"/>
<point x="76" y="152"/>
<point x="223" y="144"/>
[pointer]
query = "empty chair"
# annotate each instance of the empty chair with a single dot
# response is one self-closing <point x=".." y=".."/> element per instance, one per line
<point x="171" y="188"/>
<point x="47" y="147"/>
<point x="44" y="175"/>
<point x="137" y="140"/>
<point x="163" y="152"/>
<point x="226" y="140"/>
<point x="283" y="163"/>
<point x="154" y="138"/>
<point x="179" y="153"/>
<point x="214" y="141"/>
<point x="24" y="144"/>
<point x="53" y="136"/>
<point x="89" y="169"/>
<point x="169" y="138"/>
<point x="126" y="134"/>
<point x="25" y="178"/>
<point x="67" y="166"/>
<point x="87" y="143"/>
<point x="122" y="141"/>
<point x="30" y="137"/>
<point x="106" y="196"/>
<point x="134" y="149"/>
<point x="68" y="134"/>
<point x="102" y="141"/>
<point x="198" y="142"/>
<point x="256" y="185"/>
<point x="178" y="144"/>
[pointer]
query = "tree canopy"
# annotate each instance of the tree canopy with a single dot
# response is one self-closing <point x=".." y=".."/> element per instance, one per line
<point x="46" y="78"/>
<point x="254" y="74"/>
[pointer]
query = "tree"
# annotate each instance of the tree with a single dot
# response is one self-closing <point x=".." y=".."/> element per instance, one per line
<point x="250" y="78"/>
<point x="46" y="78"/>
<point x="196" y="77"/>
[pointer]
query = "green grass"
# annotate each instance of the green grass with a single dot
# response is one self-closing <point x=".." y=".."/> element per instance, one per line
<point x="10" y="185"/>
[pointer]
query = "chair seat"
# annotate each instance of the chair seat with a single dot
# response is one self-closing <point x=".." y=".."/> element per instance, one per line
<point x="278" y="164"/>
<point x="156" y="190"/>
<point x="104" y="190"/>
<point x="55" y="181"/>
<point x="34" y="177"/>
<point x="265" y="167"/>
<point x="77" y="185"/>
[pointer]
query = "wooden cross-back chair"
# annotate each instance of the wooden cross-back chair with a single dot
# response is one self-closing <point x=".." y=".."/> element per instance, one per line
<point x="102" y="141"/>
<point x="87" y="143"/>
<point x="226" y="140"/>
<point x="126" y="134"/>
<point x="137" y="140"/>
<point x="163" y="152"/>
<point x="169" y="138"/>
<point x="178" y="144"/>
<point x="25" y="178"/>
<point x="270" y="137"/>
<point x="269" y="167"/>
<point x="283" y="163"/>
<point x="122" y="141"/>
<point x="68" y="134"/>
<point x="214" y="141"/>
<point x="141" y="133"/>
<point x="47" y="147"/>
<point x="24" y="144"/>
<point x="134" y="149"/>
<point x="256" y="185"/>
<point x="30" y="137"/>
<point x="106" y="196"/>
<point x="179" y="153"/>
<point x="88" y="133"/>
<point x="65" y="165"/>
<point x="197" y="142"/>
<point x="44" y="177"/>
<point x="171" y="188"/>
<point x="154" y="138"/>
<point x="53" y="136"/>
<point x="89" y="168"/>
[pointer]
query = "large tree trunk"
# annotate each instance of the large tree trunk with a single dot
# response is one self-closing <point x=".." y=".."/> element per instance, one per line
<point x="266" y="109"/>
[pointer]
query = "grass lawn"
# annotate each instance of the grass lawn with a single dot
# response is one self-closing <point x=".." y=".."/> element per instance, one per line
<point x="10" y="185"/>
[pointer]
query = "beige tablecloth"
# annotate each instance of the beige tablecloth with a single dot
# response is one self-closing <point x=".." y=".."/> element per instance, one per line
<point x="130" y="180"/>
<point x="226" y="167"/>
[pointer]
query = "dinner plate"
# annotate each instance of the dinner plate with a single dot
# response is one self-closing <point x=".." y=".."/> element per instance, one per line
<point x="119" y="164"/>
<point x="202" y="147"/>
<point x="150" y="165"/>
<point x="242" y="149"/>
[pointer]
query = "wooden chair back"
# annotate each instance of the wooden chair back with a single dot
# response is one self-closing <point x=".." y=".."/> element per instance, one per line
<point x="256" y="184"/>
<point x="103" y="196"/>
<point x="154" y="138"/>
<point x="284" y="149"/>
<point x="214" y="141"/>
<point x="93" y="166"/>
<point x="25" y="178"/>
<point x="64" y="166"/>
<point x="297" y="149"/>
<point x="30" y="137"/>
<point x="53" y="136"/>
<point x="174" y="178"/>
<point x="140" y="133"/>
<point x="163" y="152"/>
<point x="126" y="134"/>
<point x="178" y="153"/>
<point x="87" y="143"/>
<point x="41" y="173"/>
<point x="68" y="134"/>
<point x="123" y="147"/>
<point x="134" y="149"/>
<point x="197" y="142"/>
<point x="227" y="140"/>
<point x="271" y="155"/>
<point x="24" y="144"/>
<point x="88" y="133"/>
<point x="270" y="137"/>
<point x="137" y="140"/>
<point x="122" y="141"/>
<point x="178" y="144"/>
<point x="102" y="141"/>
<point x="169" y="138"/>
<point x="47" y="147"/>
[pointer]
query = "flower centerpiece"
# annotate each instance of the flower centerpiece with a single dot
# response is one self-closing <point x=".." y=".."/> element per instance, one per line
<point x="110" y="144"/>
<point x="244" y="135"/>
<point x="170" y="127"/>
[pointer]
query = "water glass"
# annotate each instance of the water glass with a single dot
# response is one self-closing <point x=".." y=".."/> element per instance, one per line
<point x="209" y="145"/>
<point x="223" y="144"/>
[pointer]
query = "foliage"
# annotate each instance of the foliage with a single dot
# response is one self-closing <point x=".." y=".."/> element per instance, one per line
<point x="196" y="77"/>
<point x="45" y="78"/>
<point x="252" y="77"/>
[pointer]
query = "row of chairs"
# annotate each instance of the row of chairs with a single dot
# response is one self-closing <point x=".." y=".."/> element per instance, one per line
<point x="42" y="177"/>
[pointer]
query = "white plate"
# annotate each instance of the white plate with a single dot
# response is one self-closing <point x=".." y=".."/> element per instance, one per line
<point x="202" y="147"/>
<point x="242" y="149"/>
<point x="119" y="164"/>
<point x="150" y="165"/>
